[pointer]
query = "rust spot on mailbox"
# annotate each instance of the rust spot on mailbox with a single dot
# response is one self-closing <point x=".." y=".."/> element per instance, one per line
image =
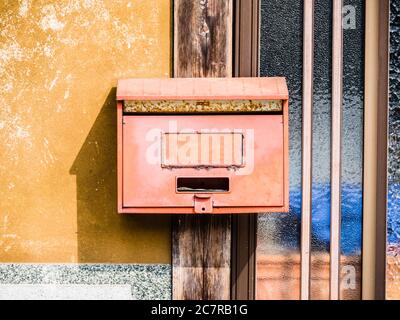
<point x="203" y="146"/>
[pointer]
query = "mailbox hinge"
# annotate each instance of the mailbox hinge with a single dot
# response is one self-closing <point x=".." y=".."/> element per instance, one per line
<point x="203" y="203"/>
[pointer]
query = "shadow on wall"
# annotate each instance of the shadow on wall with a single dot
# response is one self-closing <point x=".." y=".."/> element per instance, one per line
<point x="103" y="235"/>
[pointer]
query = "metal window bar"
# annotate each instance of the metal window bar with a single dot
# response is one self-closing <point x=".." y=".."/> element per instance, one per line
<point x="308" y="62"/>
<point x="337" y="102"/>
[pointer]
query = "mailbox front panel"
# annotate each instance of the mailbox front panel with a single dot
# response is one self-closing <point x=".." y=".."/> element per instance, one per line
<point x="232" y="161"/>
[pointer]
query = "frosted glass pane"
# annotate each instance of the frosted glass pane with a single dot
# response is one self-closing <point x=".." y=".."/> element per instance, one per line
<point x="352" y="152"/>
<point x="278" y="251"/>
<point x="319" y="286"/>
<point x="278" y="258"/>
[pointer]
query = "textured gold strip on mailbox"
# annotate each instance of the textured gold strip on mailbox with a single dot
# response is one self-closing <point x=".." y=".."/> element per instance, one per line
<point x="203" y="106"/>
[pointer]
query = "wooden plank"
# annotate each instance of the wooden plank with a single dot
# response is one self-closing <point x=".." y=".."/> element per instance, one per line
<point x="308" y="78"/>
<point x="337" y="101"/>
<point x="201" y="245"/>
<point x="203" y="38"/>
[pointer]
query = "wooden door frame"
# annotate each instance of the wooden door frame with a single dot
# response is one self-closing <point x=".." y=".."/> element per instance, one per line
<point x="375" y="149"/>
<point x="382" y="150"/>
<point x="246" y="26"/>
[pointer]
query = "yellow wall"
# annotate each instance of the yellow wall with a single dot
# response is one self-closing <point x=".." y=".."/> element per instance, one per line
<point x="59" y="62"/>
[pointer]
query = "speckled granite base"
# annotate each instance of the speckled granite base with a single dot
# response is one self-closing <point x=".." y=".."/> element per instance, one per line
<point x="92" y="281"/>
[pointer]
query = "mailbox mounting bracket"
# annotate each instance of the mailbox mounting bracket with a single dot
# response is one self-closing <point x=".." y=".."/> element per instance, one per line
<point x="203" y="203"/>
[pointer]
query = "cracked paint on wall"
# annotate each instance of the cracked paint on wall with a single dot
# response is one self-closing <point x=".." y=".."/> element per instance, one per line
<point x="59" y="64"/>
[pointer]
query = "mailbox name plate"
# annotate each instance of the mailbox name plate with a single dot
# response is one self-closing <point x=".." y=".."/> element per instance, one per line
<point x="202" y="150"/>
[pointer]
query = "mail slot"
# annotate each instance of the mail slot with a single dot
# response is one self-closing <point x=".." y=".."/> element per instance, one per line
<point x="202" y="146"/>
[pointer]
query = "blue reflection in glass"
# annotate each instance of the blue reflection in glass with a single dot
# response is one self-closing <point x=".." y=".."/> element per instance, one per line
<point x="351" y="217"/>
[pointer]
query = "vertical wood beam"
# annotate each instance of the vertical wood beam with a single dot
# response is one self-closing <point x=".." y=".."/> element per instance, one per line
<point x="202" y="38"/>
<point x="247" y="38"/>
<point x="201" y="244"/>
<point x="306" y="208"/>
<point x="382" y="150"/>
<point x="370" y="147"/>
<point x="337" y="102"/>
<point x="244" y="227"/>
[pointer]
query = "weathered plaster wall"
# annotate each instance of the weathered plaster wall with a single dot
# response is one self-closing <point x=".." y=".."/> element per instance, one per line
<point x="59" y="62"/>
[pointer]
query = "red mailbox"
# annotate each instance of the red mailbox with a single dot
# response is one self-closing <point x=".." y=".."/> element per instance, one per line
<point x="212" y="146"/>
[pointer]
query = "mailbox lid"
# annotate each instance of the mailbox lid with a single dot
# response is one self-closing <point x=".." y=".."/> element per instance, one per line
<point x="259" y="183"/>
<point x="263" y="88"/>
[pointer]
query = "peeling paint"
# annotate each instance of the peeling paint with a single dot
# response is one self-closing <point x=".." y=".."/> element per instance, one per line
<point x="13" y="133"/>
<point x="48" y="156"/>
<point x="11" y="51"/>
<point x="47" y="50"/>
<point x="54" y="81"/>
<point x="66" y="94"/>
<point x="7" y="240"/>
<point x="24" y="7"/>
<point x="50" y="20"/>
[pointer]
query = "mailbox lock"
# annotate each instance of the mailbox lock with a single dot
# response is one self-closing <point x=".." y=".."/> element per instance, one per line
<point x="203" y="203"/>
